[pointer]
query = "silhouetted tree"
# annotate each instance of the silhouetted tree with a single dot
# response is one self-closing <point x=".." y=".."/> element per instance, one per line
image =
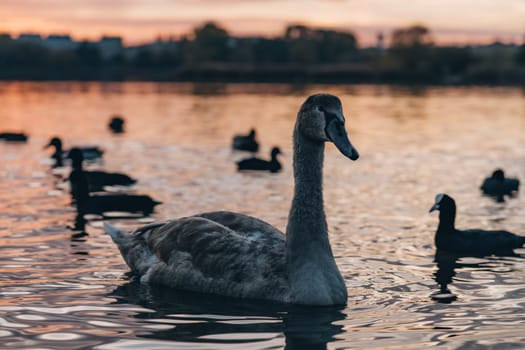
<point x="210" y="44"/>
<point x="336" y="46"/>
<point x="270" y="51"/>
<point x="451" y="60"/>
<point x="309" y="45"/>
<point x="413" y="36"/>
<point x="411" y="48"/>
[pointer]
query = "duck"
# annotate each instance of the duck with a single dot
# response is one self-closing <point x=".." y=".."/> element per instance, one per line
<point x="273" y="165"/>
<point x="98" y="179"/>
<point x="88" y="203"/>
<point x="13" y="136"/>
<point x="116" y="124"/>
<point x="474" y="242"/>
<point x="241" y="256"/>
<point x="246" y="142"/>
<point x="497" y="185"/>
<point x="88" y="152"/>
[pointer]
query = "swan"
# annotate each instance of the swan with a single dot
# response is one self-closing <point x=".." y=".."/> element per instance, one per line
<point x="245" y="142"/>
<point x="273" y="165"/>
<point x="241" y="256"/>
<point x="475" y="242"/>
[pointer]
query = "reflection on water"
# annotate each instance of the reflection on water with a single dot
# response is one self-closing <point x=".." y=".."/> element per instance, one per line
<point x="195" y="317"/>
<point x="63" y="282"/>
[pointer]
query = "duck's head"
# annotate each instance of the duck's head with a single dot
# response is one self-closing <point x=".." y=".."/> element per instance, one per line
<point x="321" y="119"/>
<point x="56" y="142"/>
<point x="498" y="174"/>
<point x="443" y="202"/>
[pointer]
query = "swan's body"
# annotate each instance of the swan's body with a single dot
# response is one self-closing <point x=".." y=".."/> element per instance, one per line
<point x="273" y="165"/>
<point x="474" y="242"/>
<point x="246" y="142"/>
<point x="240" y="256"/>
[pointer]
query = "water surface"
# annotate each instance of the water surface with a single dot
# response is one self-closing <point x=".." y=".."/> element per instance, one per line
<point x="63" y="288"/>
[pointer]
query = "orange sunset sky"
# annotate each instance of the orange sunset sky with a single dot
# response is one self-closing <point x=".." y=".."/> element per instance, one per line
<point x="451" y="21"/>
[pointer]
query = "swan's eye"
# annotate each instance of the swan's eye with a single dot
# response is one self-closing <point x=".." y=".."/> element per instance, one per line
<point x="321" y="109"/>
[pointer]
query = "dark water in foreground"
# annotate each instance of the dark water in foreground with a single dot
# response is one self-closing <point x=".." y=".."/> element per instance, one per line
<point x="62" y="289"/>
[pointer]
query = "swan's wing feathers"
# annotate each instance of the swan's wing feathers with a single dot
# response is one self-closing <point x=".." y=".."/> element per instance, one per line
<point x="247" y="226"/>
<point x="200" y="254"/>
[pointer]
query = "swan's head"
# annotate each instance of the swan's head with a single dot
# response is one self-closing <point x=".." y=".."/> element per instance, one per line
<point x="443" y="202"/>
<point x="321" y="119"/>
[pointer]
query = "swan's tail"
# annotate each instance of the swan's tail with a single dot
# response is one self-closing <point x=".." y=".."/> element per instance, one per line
<point x="116" y="234"/>
<point x="123" y="239"/>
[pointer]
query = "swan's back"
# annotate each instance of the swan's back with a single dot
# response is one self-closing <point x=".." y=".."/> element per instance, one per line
<point x="219" y="252"/>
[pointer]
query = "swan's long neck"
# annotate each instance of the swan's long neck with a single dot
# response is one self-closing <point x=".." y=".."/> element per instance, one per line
<point x="312" y="271"/>
<point x="307" y="221"/>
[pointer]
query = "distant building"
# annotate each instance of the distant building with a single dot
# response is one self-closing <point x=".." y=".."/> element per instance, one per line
<point x="5" y="37"/>
<point x="60" y="42"/>
<point x="110" y="46"/>
<point x="30" y="38"/>
<point x="157" y="47"/>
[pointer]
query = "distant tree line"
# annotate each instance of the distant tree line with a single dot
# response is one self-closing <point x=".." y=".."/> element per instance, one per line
<point x="300" y="54"/>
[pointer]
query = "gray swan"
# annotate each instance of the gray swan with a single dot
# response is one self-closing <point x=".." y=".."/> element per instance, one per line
<point x="240" y="256"/>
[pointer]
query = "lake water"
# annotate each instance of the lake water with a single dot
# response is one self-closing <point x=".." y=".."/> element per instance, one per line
<point x="60" y="288"/>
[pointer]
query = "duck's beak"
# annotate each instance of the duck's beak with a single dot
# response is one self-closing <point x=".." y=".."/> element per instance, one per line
<point x="335" y="130"/>
<point x="434" y="207"/>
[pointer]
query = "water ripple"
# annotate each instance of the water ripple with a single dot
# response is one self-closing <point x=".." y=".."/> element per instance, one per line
<point x="64" y="286"/>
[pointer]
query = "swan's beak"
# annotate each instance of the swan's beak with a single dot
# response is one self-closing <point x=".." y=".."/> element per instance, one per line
<point x="47" y="146"/>
<point x="434" y="207"/>
<point x="335" y="130"/>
